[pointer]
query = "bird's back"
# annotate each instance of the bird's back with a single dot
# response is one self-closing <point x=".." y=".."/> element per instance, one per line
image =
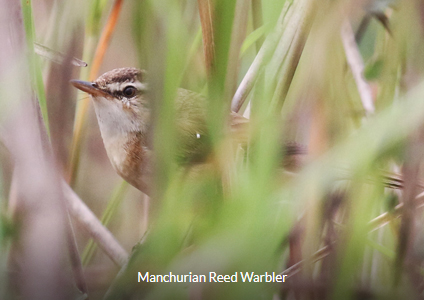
<point x="193" y="140"/>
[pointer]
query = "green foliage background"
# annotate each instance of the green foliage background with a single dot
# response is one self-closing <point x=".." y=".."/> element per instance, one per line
<point x="336" y="224"/>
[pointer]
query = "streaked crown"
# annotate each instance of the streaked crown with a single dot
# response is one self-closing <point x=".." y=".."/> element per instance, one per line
<point x="122" y="82"/>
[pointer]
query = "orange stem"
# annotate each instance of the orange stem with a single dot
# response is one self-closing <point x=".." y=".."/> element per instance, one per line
<point x="105" y="39"/>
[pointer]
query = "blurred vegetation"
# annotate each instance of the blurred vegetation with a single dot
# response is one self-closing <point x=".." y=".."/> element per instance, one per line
<point x="342" y="221"/>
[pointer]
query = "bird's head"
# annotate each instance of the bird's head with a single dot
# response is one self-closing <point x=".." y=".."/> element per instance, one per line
<point x="119" y="100"/>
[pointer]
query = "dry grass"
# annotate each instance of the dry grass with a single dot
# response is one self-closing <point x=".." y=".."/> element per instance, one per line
<point x="343" y="221"/>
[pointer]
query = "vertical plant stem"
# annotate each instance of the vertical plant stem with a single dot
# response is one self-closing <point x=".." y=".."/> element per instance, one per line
<point x="33" y="61"/>
<point x="356" y="65"/>
<point x="290" y="52"/>
<point x="105" y="38"/>
<point x="81" y="116"/>
<point x="257" y="20"/>
<point x="237" y="37"/>
<point x="206" y="13"/>
<point x="267" y="48"/>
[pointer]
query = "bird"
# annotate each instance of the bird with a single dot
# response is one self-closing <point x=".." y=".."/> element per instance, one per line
<point x="124" y="114"/>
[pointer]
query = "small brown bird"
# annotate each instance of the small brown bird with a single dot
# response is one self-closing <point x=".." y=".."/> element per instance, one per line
<point x="124" y="113"/>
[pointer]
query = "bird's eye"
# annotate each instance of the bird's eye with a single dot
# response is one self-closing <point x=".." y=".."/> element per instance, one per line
<point x="129" y="91"/>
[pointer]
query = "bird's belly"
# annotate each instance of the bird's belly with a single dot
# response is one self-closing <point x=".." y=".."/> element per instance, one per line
<point x="116" y="152"/>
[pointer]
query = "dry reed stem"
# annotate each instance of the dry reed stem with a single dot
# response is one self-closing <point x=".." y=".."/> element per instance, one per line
<point x="289" y="51"/>
<point x="374" y="224"/>
<point x="85" y="217"/>
<point x="79" y="211"/>
<point x="249" y="79"/>
<point x="81" y="118"/>
<point x="238" y="35"/>
<point x="36" y="205"/>
<point x="206" y="11"/>
<point x="39" y="247"/>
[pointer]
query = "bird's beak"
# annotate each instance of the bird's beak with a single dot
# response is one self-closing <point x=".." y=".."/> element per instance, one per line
<point x="89" y="88"/>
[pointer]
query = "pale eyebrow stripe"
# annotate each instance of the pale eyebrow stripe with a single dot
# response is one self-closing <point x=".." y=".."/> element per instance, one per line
<point x="116" y="86"/>
<point x="140" y="86"/>
<point x="120" y="86"/>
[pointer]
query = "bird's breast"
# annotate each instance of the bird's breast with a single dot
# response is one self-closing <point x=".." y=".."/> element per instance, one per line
<point x="128" y="156"/>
